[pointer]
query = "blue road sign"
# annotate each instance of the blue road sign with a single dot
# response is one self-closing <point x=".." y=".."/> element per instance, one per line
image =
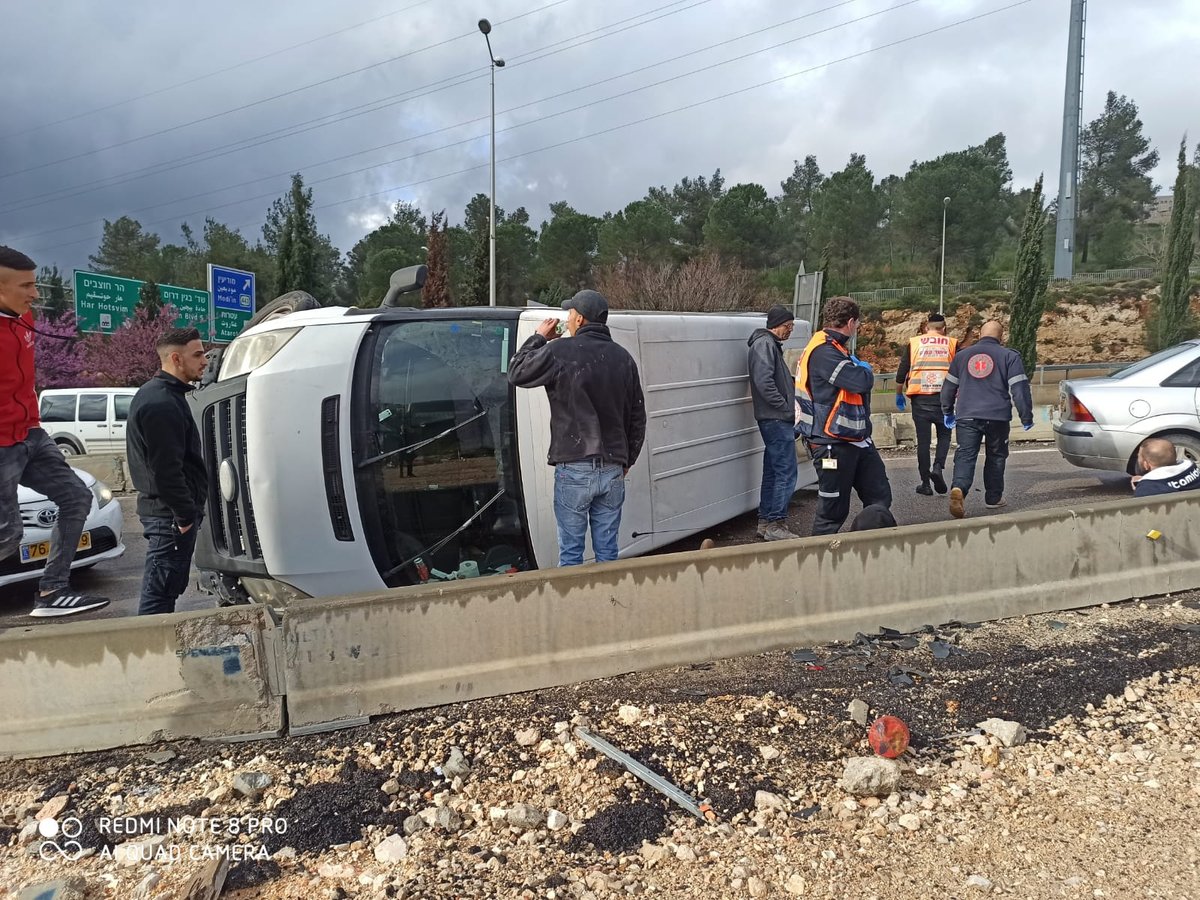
<point x="233" y="301"/>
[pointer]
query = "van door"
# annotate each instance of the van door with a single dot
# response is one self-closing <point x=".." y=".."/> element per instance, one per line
<point x="92" y="425"/>
<point x="120" y="418"/>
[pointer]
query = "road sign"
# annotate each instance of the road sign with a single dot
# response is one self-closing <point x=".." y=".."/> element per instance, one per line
<point x="103" y="303"/>
<point x="232" y="299"/>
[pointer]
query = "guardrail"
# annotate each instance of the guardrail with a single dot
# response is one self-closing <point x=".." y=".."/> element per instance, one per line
<point x="329" y="663"/>
<point x="886" y="381"/>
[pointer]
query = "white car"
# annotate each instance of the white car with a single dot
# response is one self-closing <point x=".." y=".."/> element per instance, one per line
<point x="101" y="538"/>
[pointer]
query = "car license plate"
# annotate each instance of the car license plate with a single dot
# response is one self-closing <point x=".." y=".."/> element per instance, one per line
<point x="41" y="549"/>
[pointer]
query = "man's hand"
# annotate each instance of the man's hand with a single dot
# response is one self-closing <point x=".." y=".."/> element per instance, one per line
<point x="548" y="329"/>
<point x="858" y="362"/>
<point x="949" y="421"/>
<point x="901" y="402"/>
<point x="625" y="472"/>
<point x="1133" y="481"/>
<point x="184" y="529"/>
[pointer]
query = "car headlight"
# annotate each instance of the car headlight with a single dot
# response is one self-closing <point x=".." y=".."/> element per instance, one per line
<point x="247" y="353"/>
<point x="103" y="494"/>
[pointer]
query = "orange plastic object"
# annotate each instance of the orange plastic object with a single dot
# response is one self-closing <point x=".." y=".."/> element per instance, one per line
<point x="888" y="737"/>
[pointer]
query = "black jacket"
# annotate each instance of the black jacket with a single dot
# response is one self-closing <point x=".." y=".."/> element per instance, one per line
<point x="830" y="371"/>
<point x="984" y="382"/>
<point x="772" y="387"/>
<point x="1174" y="479"/>
<point x="165" y="459"/>
<point x="597" y="410"/>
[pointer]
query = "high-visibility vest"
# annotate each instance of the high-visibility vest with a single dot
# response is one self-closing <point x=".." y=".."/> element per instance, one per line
<point x="845" y="419"/>
<point x="929" y="357"/>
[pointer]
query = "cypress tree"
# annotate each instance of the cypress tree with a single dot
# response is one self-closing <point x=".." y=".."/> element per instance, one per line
<point x="1173" y="320"/>
<point x="1029" y="282"/>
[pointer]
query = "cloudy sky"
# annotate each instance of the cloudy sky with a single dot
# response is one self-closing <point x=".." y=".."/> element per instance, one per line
<point x="170" y="112"/>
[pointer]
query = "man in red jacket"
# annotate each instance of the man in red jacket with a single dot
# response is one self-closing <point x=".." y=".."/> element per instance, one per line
<point x="27" y="455"/>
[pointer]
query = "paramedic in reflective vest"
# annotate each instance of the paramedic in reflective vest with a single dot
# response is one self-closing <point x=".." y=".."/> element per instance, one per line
<point x="1161" y="472"/>
<point x="919" y="379"/>
<point x="983" y="383"/>
<point x="833" y="415"/>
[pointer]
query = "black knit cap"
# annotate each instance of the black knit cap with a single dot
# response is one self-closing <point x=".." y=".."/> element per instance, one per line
<point x="778" y="315"/>
<point x="589" y="304"/>
<point x="937" y="317"/>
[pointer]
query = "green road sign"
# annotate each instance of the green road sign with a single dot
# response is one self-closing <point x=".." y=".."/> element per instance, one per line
<point x="103" y="303"/>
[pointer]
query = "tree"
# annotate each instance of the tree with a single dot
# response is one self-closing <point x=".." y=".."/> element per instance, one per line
<point x="127" y="357"/>
<point x="150" y="300"/>
<point x="846" y="214"/>
<point x="743" y="226"/>
<point x="516" y="255"/>
<point x="643" y="230"/>
<point x="1115" y="188"/>
<point x="688" y="203"/>
<point x="566" y="247"/>
<point x="55" y="304"/>
<point x="1029" y="283"/>
<point x="437" y="282"/>
<point x="305" y="259"/>
<point x="701" y="284"/>
<point x="1173" y="320"/>
<point x="126" y="250"/>
<point x="58" y="357"/>
<point x="405" y="233"/>
<point x="796" y="207"/>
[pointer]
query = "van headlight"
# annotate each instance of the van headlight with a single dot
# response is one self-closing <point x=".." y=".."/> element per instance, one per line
<point x="247" y="353"/>
<point x="103" y="494"/>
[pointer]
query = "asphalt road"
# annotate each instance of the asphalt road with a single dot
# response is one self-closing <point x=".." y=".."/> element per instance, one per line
<point x="1037" y="478"/>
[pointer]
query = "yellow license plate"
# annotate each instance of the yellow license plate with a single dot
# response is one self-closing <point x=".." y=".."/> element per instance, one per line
<point x="41" y="549"/>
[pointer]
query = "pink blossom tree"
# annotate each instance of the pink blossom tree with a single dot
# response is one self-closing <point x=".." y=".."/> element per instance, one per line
<point x="59" y="354"/>
<point x="127" y="358"/>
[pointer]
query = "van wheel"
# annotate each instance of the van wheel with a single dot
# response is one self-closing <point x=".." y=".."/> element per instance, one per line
<point x="283" y="305"/>
<point x="67" y="448"/>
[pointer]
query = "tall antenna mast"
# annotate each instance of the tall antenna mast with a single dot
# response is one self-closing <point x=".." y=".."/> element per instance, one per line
<point x="1068" y="177"/>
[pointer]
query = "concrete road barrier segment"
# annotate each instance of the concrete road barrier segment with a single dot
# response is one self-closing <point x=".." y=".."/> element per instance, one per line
<point x="352" y="658"/>
<point x="112" y="470"/>
<point x="93" y="685"/>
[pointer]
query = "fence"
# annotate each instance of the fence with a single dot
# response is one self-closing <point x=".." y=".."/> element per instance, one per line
<point x="1002" y="284"/>
<point x="886" y="381"/>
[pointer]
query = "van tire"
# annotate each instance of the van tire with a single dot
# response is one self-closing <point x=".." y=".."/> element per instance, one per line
<point x="283" y="305"/>
<point x="68" y="448"/>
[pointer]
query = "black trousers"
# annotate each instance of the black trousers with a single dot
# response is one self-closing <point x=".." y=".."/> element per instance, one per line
<point x="993" y="435"/>
<point x="860" y="469"/>
<point x="927" y="417"/>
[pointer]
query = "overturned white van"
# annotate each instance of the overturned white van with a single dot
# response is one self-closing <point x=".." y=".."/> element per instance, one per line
<point x="356" y="449"/>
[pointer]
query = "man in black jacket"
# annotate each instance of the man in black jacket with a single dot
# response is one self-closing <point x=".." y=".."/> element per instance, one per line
<point x="167" y="467"/>
<point x="983" y="383"/>
<point x="597" y="422"/>
<point x="1160" y="471"/>
<point x="773" y="390"/>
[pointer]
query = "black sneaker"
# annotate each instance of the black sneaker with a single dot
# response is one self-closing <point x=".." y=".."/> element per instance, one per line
<point x="939" y="483"/>
<point x="925" y="490"/>
<point x="66" y="602"/>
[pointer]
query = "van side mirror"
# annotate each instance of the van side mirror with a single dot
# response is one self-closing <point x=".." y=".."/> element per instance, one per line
<point x="405" y="281"/>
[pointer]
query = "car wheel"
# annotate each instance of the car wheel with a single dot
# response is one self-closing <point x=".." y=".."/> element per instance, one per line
<point x="67" y="448"/>
<point x="1187" y="446"/>
<point x="284" y="305"/>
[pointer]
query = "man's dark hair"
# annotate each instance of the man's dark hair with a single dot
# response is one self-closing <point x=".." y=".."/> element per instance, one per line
<point x="838" y="311"/>
<point x="15" y="259"/>
<point x="177" y="337"/>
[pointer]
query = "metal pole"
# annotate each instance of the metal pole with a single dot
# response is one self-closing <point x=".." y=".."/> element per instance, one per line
<point x="1068" y="167"/>
<point x="492" y="223"/>
<point x="942" y="280"/>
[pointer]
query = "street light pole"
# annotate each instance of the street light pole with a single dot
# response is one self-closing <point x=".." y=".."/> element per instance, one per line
<point x="942" y="285"/>
<point x="486" y="28"/>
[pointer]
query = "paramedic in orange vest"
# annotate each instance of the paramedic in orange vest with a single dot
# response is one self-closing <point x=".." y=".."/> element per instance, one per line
<point x="833" y="415"/>
<point x="919" y="379"/>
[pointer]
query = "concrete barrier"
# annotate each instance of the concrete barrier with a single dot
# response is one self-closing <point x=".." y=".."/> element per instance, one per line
<point x="112" y="470"/>
<point x="347" y="659"/>
<point x="896" y="429"/>
<point x="93" y="685"/>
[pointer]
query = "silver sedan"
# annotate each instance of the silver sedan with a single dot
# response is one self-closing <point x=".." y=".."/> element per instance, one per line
<point x="1101" y="421"/>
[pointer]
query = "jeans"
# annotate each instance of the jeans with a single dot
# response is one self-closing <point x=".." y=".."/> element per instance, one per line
<point x="993" y="433"/>
<point x="168" y="563"/>
<point x="37" y="463"/>
<point x="927" y="418"/>
<point x="860" y="469"/>
<point x="584" y="492"/>
<point x="779" y="469"/>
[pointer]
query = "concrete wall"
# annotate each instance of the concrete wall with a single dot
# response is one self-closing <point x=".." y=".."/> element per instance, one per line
<point x="371" y="654"/>
<point x="91" y="685"/>
<point x="112" y="470"/>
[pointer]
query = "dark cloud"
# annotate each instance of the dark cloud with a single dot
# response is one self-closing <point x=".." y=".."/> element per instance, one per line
<point x="912" y="101"/>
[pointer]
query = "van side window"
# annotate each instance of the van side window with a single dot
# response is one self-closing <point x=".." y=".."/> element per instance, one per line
<point x="121" y="403"/>
<point x="58" y="407"/>
<point x="93" y="407"/>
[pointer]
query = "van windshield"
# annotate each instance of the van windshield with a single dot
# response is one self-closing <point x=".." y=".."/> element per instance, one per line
<point x="435" y="451"/>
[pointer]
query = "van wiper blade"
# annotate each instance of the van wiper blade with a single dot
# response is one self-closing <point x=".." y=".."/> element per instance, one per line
<point x="434" y="548"/>
<point x="420" y="444"/>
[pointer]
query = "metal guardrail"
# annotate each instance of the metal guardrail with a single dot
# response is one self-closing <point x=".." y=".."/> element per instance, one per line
<point x="886" y="381"/>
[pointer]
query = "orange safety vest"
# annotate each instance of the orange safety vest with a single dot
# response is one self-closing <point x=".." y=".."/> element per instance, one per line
<point x="929" y="356"/>
<point x="845" y="419"/>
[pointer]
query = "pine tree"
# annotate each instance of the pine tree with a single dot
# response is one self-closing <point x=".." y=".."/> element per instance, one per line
<point x="437" y="282"/>
<point x="1029" y="283"/>
<point x="1173" y="320"/>
<point x="298" y="240"/>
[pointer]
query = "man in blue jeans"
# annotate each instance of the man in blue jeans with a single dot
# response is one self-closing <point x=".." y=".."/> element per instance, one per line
<point x="773" y="390"/>
<point x="983" y="383"/>
<point x="167" y="467"/>
<point x="597" y="422"/>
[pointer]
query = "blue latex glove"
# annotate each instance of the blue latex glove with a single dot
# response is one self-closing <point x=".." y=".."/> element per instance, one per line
<point x="858" y="362"/>
<point x="901" y="403"/>
<point x="949" y="421"/>
<point x="1027" y="427"/>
